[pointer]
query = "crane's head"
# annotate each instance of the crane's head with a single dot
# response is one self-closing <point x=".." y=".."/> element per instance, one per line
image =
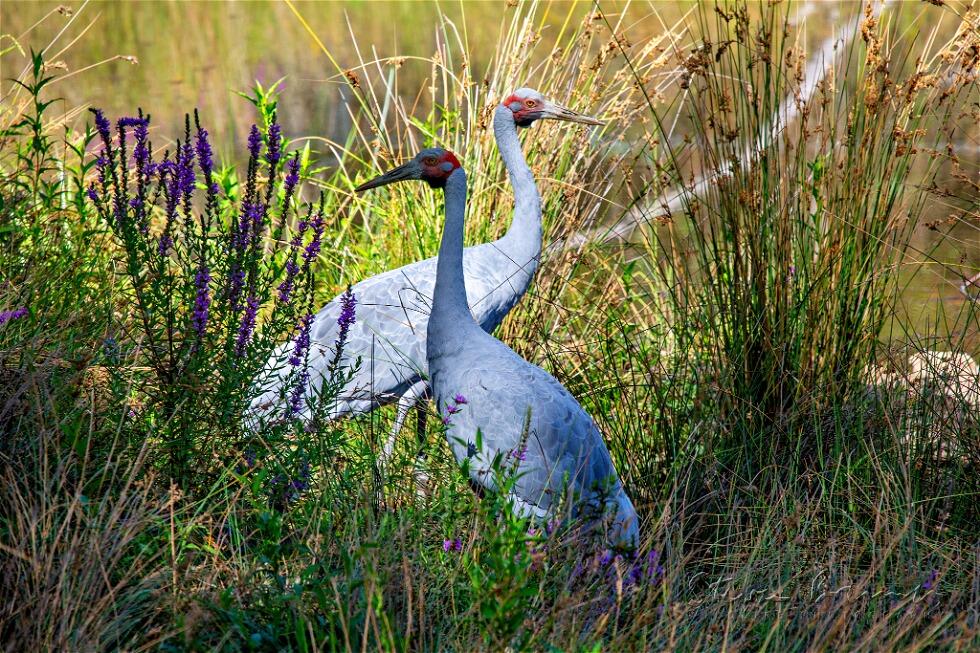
<point x="527" y="105"/>
<point x="432" y="165"/>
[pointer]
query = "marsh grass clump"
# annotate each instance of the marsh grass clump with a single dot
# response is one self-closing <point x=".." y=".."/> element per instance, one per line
<point x="780" y="271"/>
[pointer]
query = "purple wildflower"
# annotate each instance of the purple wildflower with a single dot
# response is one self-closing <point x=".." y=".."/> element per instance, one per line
<point x="166" y="242"/>
<point x="313" y="248"/>
<point x="453" y="406"/>
<point x="274" y="150"/>
<point x="102" y="125"/>
<point x="254" y="215"/>
<point x="348" y="306"/>
<point x="185" y="171"/>
<point x="930" y="582"/>
<point x="302" y="341"/>
<point x="292" y="175"/>
<point x="129" y="121"/>
<point x="254" y="142"/>
<point x="92" y="193"/>
<point x="519" y="454"/>
<point x="286" y="287"/>
<point x="247" y="325"/>
<point x="299" y="391"/>
<point x="202" y="301"/>
<point x="205" y="156"/>
<point x="236" y="282"/>
<point x="16" y="314"/>
<point x="300" y="350"/>
<point x="141" y="152"/>
<point x="452" y="545"/>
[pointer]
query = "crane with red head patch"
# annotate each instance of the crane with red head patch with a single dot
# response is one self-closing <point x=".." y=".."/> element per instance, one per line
<point x="393" y="308"/>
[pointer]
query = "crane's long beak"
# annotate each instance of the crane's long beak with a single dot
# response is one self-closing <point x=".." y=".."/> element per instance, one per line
<point x="554" y="111"/>
<point x="405" y="171"/>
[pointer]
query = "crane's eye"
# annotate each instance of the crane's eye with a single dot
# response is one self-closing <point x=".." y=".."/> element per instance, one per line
<point x="430" y="160"/>
<point x="530" y="104"/>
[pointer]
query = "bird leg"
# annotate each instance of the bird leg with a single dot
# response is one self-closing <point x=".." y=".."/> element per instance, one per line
<point x="405" y="402"/>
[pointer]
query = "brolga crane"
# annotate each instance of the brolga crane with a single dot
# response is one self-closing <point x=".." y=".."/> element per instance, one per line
<point x="519" y="410"/>
<point x="393" y="307"/>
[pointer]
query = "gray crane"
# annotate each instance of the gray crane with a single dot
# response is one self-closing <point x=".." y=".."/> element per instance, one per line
<point x="393" y="307"/>
<point x="496" y="404"/>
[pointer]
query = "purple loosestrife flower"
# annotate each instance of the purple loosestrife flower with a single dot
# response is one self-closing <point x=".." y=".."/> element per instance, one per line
<point x="141" y="151"/>
<point x="103" y="126"/>
<point x="129" y="121"/>
<point x="292" y="268"/>
<point x="205" y="156"/>
<point x="348" y="306"/>
<point x="274" y="150"/>
<point x="236" y="283"/>
<point x="300" y="350"/>
<point x="254" y="142"/>
<point x="302" y="341"/>
<point x="254" y="216"/>
<point x="185" y="172"/>
<point x="453" y="406"/>
<point x="313" y="249"/>
<point x="92" y="193"/>
<point x="16" y="314"/>
<point x="202" y="301"/>
<point x="292" y="176"/>
<point x="452" y="545"/>
<point x="247" y="326"/>
<point x="286" y="287"/>
<point x="299" y="391"/>
<point x="166" y="242"/>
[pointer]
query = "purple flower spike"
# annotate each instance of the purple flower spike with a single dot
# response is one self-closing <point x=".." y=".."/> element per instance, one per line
<point x="185" y="173"/>
<point x="166" y="242"/>
<point x="202" y="301"/>
<point x="274" y="151"/>
<point x="92" y="193"/>
<point x="254" y="142"/>
<point x="129" y="121"/>
<point x="292" y="174"/>
<point x="205" y="155"/>
<point x="302" y="341"/>
<point x="313" y="249"/>
<point x="16" y="314"/>
<point x="296" y="398"/>
<point x="102" y="125"/>
<point x="247" y="325"/>
<point x="236" y="283"/>
<point x="141" y="153"/>
<point x="348" y="305"/>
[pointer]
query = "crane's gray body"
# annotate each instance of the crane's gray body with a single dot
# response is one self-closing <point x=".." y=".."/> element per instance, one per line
<point x="518" y="409"/>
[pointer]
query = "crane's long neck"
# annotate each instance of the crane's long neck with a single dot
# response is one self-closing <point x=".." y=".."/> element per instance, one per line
<point x="449" y="306"/>
<point x="523" y="238"/>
